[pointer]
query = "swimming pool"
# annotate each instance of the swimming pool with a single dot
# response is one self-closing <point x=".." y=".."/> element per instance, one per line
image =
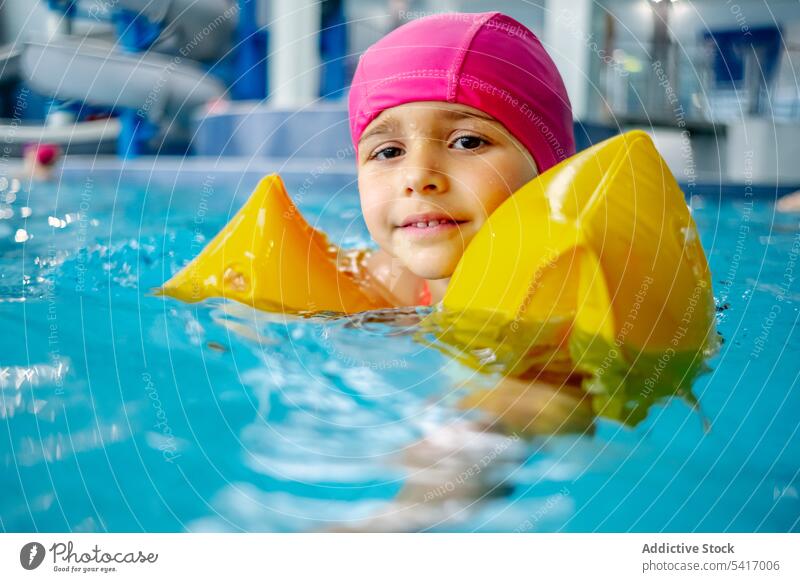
<point x="122" y="411"/>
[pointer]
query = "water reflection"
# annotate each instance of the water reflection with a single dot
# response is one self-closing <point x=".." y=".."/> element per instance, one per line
<point x="465" y="431"/>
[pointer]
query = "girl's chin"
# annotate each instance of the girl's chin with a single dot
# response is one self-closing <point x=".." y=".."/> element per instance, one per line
<point x="433" y="270"/>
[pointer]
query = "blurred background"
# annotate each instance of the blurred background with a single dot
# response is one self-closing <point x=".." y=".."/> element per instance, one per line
<point x="257" y="80"/>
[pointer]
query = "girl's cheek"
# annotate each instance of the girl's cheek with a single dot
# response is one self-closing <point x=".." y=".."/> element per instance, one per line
<point x="375" y="213"/>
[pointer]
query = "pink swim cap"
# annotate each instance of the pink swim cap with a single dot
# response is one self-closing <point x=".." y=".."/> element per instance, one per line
<point x="488" y="61"/>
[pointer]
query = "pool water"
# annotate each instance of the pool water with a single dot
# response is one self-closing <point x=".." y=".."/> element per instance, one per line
<point x="122" y="411"/>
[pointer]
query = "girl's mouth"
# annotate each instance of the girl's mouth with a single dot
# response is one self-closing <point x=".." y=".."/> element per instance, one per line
<point x="429" y="220"/>
<point x="431" y="228"/>
<point x="431" y="223"/>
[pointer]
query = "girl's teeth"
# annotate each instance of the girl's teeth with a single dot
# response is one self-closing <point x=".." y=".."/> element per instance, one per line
<point x="429" y="224"/>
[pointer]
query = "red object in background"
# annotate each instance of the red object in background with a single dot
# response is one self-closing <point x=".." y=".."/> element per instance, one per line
<point x="46" y="153"/>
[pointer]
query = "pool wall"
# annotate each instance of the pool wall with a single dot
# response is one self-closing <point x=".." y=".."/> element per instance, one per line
<point x="312" y="150"/>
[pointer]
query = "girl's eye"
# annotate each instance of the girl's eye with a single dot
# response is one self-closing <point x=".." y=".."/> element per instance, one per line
<point x="469" y="142"/>
<point x="387" y="153"/>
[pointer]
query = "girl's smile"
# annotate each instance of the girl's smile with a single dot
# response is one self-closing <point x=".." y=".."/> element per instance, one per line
<point x="430" y="225"/>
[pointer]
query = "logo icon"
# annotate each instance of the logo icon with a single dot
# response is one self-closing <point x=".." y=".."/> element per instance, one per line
<point x="31" y="555"/>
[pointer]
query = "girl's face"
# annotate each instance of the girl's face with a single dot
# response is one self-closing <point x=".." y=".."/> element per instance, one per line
<point x="429" y="175"/>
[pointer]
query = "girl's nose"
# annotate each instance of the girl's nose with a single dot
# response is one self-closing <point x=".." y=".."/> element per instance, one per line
<point x="422" y="172"/>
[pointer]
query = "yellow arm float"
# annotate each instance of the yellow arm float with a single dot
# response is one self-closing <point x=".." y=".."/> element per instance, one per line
<point x="593" y="268"/>
<point x="269" y="257"/>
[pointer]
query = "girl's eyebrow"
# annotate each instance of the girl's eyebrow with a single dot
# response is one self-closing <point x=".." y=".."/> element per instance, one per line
<point x="389" y="124"/>
<point x="454" y="115"/>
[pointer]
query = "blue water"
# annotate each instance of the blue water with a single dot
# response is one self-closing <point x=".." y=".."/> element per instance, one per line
<point x="122" y="411"/>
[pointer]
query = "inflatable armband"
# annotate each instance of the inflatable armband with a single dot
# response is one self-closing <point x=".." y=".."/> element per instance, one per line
<point x="269" y="257"/>
<point x="593" y="269"/>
